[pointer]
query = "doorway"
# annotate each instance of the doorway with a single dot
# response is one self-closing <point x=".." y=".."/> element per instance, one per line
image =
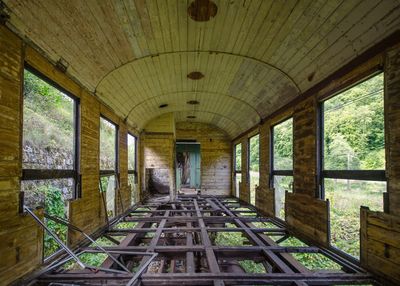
<point x="188" y="167"/>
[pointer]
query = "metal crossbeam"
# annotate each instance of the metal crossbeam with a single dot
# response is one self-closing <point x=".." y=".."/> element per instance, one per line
<point x="183" y="234"/>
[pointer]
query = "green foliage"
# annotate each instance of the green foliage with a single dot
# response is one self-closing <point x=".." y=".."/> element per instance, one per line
<point x="283" y="145"/>
<point x="102" y="241"/>
<point x="131" y="152"/>
<point x="345" y="199"/>
<point x="107" y="186"/>
<point x="108" y="135"/>
<point x="125" y="225"/>
<point x="258" y="224"/>
<point x="48" y="115"/>
<point x="238" y="157"/>
<point x="254" y="180"/>
<point x="353" y="140"/>
<point x="281" y="185"/>
<point x="230" y="239"/>
<point x="92" y="259"/>
<point x="250" y="266"/>
<point x="313" y="261"/>
<point x="354" y="128"/>
<point x="49" y="121"/>
<point x="55" y="206"/>
<point x="45" y="96"/>
<point x="104" y="183"/>
<point x="254" y="159"/>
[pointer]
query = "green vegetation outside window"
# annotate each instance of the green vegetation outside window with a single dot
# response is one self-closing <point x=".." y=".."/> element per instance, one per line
<point x="50" y="160"/>
<point x="237" y="168"/>
<point x="108" y="165"/>
<point x="132" y="161"/>
<point x="254" y="166"/>
<point x="353" y="161"/>
<point x="282" y="163"/>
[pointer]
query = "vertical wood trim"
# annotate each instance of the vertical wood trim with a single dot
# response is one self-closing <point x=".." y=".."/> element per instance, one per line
<point x="363" y="236"/>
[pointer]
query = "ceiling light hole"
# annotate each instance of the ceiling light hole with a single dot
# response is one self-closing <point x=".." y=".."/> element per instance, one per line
<point x="196" y="75"/>
<point x="202" y="10"/>
<point x="193" y="102"/>
<point x="311" y="76"/>
<point x="163" y="105"/>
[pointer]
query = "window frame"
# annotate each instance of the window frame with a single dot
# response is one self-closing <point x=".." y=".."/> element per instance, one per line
<point x="134" y="171"/>
<point x="322" y="174"/>
<point x="235" y="170"/>
<point x="248" y="155"/>
<point x="272" y="171"/>
<point x="248" y="183"/>
<point x="50" y="174"/>
<point x="110" y="172"/>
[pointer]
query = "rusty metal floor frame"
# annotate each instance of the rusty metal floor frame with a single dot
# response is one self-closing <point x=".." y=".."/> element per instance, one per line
<point x="187" y="236"/>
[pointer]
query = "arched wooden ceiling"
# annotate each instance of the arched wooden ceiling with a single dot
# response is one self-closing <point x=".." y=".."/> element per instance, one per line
<point x="255" y="55"/>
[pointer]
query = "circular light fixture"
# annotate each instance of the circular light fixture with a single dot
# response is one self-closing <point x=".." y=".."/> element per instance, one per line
<point x="196" y="75"/>
<point x="163" y="105"/>
<point x="202" y="10"/>
<point x="191" y="117"/>
<point x="193" y="102"/>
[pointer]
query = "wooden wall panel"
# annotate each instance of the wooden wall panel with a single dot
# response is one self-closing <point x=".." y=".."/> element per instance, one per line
<point x="265" y="198"/>
<point x="244" y="194"/>
<point x="380" y="240"/>
<point x="124" y="197"/>
<point x="392" y="106"/>
<point x="21" y="238"/>
<point x="157" y="150"/>
<point x="308" y="217"/>
<point x="380" y="232"/>
<point x="216" y="155"/>
<point x="87" y="212"/>
<point x="305" y="147"/>
<point x="123" y="193"/>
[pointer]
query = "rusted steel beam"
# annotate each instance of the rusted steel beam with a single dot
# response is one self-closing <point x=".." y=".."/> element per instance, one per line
<point x="197" y="229"/>
<point x="184" y="240"/>
<point x="210" y="255"/>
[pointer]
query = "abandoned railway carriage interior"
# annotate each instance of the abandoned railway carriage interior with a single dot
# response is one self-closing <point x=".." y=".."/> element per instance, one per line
<point x="200" y="142"/>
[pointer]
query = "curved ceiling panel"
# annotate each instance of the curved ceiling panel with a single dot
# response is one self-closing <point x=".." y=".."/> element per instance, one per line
<point x="237" y="113"/>
<point x="217" y="120"/>
<point x="133" y="50"/>
<point x="239" y="88"/>
<point x="236" y="110"/>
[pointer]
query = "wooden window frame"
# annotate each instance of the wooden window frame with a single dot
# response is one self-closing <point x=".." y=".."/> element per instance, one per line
<point x="235" y="170"/>
<point x="52" y="174"/>
<point x="362" y="175"/>
<point x="273" y="172"/>
<point x="110" y="172"/>
<point x="134" y="171"/>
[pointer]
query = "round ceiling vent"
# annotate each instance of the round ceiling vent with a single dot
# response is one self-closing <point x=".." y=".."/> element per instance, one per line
<point x="202" y="10"/>
<point x="193" y="102"/>
<point x="163" y="105"/>
<point x="196" y="75"/>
